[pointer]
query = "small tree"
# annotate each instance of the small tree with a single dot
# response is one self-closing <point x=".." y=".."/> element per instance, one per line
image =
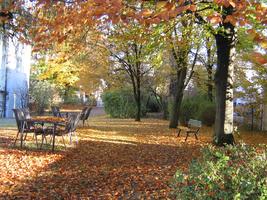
<point x="41" y="93"/>
<point x="23" y="95"/>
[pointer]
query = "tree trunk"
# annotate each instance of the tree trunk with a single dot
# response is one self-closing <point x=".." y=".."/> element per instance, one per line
<point x="138" y="94"/>
<point x="264" y="114"/>
<point x="224" y="89"/>
<point x="177" y="86"/>
<point x="165" y="107"/>
<point x="209" y="70"/>
<point x="138" y="105"/>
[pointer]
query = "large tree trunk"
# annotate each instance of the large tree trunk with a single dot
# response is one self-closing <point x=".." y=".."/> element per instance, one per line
<point x="177" y="87"/>
<point x="224" y="88"/>
<point x="177" y="97"/>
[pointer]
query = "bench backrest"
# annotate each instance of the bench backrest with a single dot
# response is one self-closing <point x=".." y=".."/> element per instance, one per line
<point x="194" y="123"/>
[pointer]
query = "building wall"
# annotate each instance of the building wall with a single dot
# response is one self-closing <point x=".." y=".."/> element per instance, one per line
<point x="15" y="61"/>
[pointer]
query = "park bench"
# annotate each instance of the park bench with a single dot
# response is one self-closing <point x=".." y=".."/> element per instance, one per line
<point x="193" y="126"/>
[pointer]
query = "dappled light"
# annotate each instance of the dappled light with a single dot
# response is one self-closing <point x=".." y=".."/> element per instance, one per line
<point x="135" y="160"/>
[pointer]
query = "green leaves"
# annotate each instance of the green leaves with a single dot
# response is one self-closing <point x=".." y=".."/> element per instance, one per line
<point x="233" y="172"/>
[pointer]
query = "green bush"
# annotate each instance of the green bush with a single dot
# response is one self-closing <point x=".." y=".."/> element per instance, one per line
<point x="207" y="115"/>
<point x="152" y="104"/>
<point x="198" y="107"/>
<point x="41" y="93"/>
<point x="233" y="172"/>
<point x="121" y="104"/>
<point x="72" y="99"/>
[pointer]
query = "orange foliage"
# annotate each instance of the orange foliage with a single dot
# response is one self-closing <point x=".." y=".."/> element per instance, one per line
<point x="114" y="159"/>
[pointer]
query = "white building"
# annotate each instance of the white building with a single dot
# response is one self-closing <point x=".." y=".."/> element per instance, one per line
<point x="15" y="63"/>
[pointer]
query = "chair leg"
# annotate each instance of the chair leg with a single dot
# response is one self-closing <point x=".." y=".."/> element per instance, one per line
<point x="179" y="131"/>
<point x="16" y="138"/>
<point x="196" y="136"/>
<point x="42" y="142"/>
<point x="64" y="142"/>
<point x="76" y="137"/>
<point x="36" y="140"/>
<point x="21" y="139"/>
<point x="45" y="139"/>
<point x="25" y="137"/>
<point x="187" y="134"/>
<point x="70" y="135"/>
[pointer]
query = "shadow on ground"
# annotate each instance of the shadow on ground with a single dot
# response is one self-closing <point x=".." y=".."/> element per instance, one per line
<point x="115" y="159"/>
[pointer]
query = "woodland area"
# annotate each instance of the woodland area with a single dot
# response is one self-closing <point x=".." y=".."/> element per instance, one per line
<point x="174" y="60"/>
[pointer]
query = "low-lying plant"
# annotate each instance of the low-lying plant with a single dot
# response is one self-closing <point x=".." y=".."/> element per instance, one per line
<point x="231" y="172"/>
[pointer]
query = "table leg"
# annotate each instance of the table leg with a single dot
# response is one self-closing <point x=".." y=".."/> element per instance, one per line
<point x="21" y="134"/>
<point x="54" y="131"/>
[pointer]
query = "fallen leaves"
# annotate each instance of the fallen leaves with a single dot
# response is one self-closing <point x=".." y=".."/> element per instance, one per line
<point x="115" y="159"/>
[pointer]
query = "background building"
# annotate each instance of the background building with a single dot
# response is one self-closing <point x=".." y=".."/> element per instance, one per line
<point x="15" y="63"/>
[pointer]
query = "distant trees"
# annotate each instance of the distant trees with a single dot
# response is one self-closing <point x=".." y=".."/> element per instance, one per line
<point x="129" y="48"/>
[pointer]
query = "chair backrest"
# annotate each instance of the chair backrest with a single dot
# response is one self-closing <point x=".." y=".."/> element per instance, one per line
<point x="19" y="116"/>
<point x="72" y="122"/>
<point x="76" y="122"/>
<point x="194" y="123"/>
<point x="55" y="111"/>
<point x="88" y="111"/>
<point x="26" y="113"/>
<point x="83" y="113"/>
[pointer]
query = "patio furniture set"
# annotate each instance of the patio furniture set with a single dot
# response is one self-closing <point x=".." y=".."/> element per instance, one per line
<point x="57" y="125"/>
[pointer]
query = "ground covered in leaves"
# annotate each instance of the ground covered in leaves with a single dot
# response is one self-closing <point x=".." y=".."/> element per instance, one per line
<point x="115" y="159"/>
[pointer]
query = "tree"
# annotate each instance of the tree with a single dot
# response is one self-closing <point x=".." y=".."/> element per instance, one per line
<point x="208" y="60"/>
<point x="181" y="45"/>
<point x="131" y="48"/>
<point x="78" y="62"/>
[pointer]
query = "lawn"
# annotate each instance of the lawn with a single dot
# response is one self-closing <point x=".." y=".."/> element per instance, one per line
<point x="115" y="159"/>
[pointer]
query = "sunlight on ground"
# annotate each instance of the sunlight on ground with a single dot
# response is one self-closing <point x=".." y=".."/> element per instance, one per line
<point x="114" y="158"/>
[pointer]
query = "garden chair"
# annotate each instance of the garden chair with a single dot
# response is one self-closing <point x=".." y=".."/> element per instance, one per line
<point x="74" y="124"/>
<point x="68" y="128"/>
<point x="193" y="126"/>
<point x="85" y="115"/>
<point x="56" y="111"/>
<point x="27" y="115"/>
<point x="23" y="127"/>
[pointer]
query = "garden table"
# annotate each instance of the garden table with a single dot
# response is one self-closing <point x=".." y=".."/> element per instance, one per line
<point x="47" y="120"/>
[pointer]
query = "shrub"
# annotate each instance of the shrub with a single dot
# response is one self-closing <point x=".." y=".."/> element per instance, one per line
<point x="120" y="104"/>
<point x="207" y="115"/>
<point x="189" y="110"/>
<point x="152" y="104"/>
<point x="198" y="107"/>
<point x="41" y="93"/>
<point x="233" y="172"/>
<point x="72" y="99"/>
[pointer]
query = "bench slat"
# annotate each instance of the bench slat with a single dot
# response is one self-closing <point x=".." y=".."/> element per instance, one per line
<point x="194" y="123"/>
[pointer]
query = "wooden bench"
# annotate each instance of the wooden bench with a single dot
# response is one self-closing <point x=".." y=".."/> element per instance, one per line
<point x="192" y="127"/>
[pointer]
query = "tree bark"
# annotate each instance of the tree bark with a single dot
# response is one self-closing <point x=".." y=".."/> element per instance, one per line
<point x="265" y="109"/>
<point x="209" y="70"/>
<point x="177" y="87"/>
<point x="138" y="101"/>
<point x="224" y="87"/>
